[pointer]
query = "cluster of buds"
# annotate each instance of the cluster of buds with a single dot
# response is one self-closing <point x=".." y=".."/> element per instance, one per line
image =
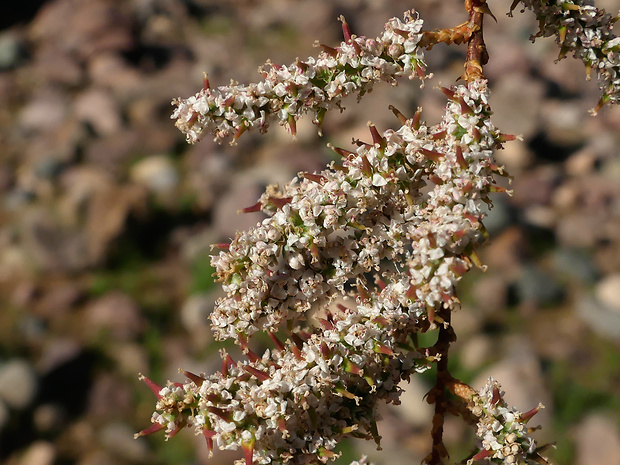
<point x="312" y="86"/>
<point x="585" y="31"/>
<point x="505" y="437"/>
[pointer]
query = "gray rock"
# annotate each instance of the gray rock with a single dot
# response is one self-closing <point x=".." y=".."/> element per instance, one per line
<point x="57" y="66"/>
<point x="10" y="51"/>
<point x="491" y="293"/>
<point x="107" y="396"/>
<point x="599" y="317"/>
<point x="499" y="217"/>
<point x="57" y="352"/>
<point x="131" y="358"/>
<point x="39" y="453"/>
<point x="579" y="229"/>
<point x="49" y="418"/>
<point x="195" y="312"/>
<point x="574" y="264"/>
<point x="516" y="111"/>
<point x="535" y="286"/>
<point x="117" y="314"/>
<point x="156" y="173"/>
<point x="598" y="441"/>
<point x="118" y="439"/>
<point x="414" y="409"/>
<point x="607" y="292"/>
<point x="474" y="352"/>
<point x="18" y="383"/>
<point x="45" y="112"/>
<point x="52" y="246"/>
<point x="98" y="108"/>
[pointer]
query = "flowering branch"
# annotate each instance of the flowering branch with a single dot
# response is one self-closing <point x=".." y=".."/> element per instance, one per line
<point x="312" y="86"/>
<point x="585" y="31"/>
<point x="408" y="206"/>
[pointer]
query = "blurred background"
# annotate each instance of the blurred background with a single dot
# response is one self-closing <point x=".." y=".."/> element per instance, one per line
<point x="107" y="217"/>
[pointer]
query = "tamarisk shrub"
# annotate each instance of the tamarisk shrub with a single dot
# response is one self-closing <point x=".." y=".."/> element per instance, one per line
<point x="406" y="206"/>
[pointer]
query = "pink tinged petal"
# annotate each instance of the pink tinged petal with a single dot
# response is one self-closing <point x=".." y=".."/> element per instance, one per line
<point x="209" y="437"/>
<point x="150" y="430"/>
<point x="465" y="109"/>
<point x="325" y="351"/>
<point x="346" y="31"/>
<point x="459" y="157"/>
<point x="329" y="50"/>
<point x="448" y="92"/>
<point x="197" y="380"/>
<point x="381" y="349"/>
<point x="472" y="218"/>
<point x="475" y="259"/>
<point x="223" y="414"/>
<point x="292" y="124"/>
<point x="346" y="154"/>
<point x="261" y="375"/>
<point x="228" y="361"/>
<point x="252" y="356"/>
<point x="279" y="202"/>
<point x="507" y="137"/>
<point x="377" y="138"/>
<point x="498" y="189"/>
<point x="380" y="320"/>
<point x="351" y="367"/>
<point x="439" y="135"/>
<point x="327" y="454"/>
<point x="174" y="432"/>
<point x="279" y="344"/>
<point x="154" y="387"/>
<point x="366" y="168"/>
<point x="402" y="118"/>
<point x="483" y="454"/>
<point x="415" y="123"/>
<point x="458" y="268"/>
<point x="434" y="156"/>
<point x="258" y="206"/>
<point x="497" y="396"/>
<point x="326" y="324"/>
<point x="319" y="179"/>
<point x="527" y="416"/>
<point x="248" y="450"/>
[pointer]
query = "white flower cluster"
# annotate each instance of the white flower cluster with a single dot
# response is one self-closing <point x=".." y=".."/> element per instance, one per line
<point x="294" y="406"/>
<point x="585" y="31"/>
<point x="315" y="85"/>
<point x="503" y="431"/>
<point x="414" y="196"/>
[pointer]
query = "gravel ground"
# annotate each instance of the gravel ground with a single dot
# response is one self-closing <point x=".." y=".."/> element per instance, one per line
<point x="106" y="218"/>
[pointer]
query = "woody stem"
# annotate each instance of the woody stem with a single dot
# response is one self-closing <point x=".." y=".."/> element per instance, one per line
<point x="438" y="394"/>
<point x="477" y="55"/>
